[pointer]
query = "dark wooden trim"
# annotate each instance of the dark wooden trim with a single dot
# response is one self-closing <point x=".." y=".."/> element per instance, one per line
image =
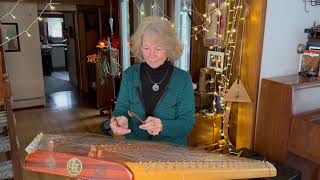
<point x="58" y="15"/>
<point x="197" y="50"/>
<point x="250" y="74"/>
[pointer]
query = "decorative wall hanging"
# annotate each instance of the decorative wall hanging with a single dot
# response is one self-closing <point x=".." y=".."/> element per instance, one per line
<point x="10" y="30"/>
<point x="311" y="2"/>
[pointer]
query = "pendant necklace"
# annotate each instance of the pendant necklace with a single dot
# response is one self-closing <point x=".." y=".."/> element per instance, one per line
<point x="155" y="86"/>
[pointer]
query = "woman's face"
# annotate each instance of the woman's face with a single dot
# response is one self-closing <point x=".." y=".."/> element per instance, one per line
<point x="153" y="54"/>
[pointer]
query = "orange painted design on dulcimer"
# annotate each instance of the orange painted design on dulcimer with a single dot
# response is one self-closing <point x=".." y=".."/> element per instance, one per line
<point x="88" y="156"/>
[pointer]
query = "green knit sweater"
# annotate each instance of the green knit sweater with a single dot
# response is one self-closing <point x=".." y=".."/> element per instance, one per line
<point x="175" y="107"/>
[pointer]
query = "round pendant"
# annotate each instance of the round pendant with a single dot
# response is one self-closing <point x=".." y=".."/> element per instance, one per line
<point x="155" y="87"/>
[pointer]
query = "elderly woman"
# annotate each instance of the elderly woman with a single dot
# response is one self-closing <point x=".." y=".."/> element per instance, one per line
<point x="155" y="90"/>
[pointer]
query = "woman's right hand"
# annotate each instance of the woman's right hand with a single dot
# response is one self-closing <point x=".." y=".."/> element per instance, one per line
<point x="119" y="125"/>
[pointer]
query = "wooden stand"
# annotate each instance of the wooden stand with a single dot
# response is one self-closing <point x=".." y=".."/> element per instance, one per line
<point x="206" y="131"/>
<point x="107" y="90"/>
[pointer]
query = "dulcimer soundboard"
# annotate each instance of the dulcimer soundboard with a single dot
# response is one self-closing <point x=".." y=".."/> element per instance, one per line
<point x="90" y="156"/>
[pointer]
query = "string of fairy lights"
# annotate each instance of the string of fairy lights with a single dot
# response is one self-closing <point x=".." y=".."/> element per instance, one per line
<point x="25" y="31"/>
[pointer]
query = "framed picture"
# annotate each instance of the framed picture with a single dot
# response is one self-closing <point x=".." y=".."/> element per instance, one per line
<point x="215" y="60"/>
<point x="10" y="30"/>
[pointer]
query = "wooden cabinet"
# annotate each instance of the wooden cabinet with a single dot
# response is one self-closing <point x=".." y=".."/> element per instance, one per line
<point x="11" y="168"/>
<point x="283" y="99"/>
<point x="304" y="136"/>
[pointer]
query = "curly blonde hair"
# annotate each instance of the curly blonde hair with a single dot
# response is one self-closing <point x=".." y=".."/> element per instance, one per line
<point x="163" y="30"/>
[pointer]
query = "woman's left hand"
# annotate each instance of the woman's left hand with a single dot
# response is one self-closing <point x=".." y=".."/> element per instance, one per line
<point x="153" y="125"/>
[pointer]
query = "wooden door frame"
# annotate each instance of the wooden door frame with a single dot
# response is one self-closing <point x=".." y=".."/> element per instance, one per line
<point x="250" y="74"/>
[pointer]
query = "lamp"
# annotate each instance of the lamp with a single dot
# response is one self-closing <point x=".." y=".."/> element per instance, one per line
<point x="102" y="43"/>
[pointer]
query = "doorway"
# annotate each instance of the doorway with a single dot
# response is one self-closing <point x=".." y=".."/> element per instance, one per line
<point x="58" y="51"/>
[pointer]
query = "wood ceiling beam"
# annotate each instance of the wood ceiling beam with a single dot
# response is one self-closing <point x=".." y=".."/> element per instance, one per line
<point x="74" y="2"/>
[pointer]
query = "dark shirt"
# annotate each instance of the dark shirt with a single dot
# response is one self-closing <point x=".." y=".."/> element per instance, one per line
<point x="149" y="77"/>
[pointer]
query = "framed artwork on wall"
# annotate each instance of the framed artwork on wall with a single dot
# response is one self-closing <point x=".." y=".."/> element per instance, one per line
<point x="10" y="30"/>
<point x="215" y="60"/>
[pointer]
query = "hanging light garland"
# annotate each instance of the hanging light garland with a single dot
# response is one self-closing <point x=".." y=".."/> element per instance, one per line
<point x="11" y="11"/>
<point x="26" y="31"/>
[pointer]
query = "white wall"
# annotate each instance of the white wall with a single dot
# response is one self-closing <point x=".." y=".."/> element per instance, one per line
<point x="284" y="30"/>
<point x="25" y="67"/>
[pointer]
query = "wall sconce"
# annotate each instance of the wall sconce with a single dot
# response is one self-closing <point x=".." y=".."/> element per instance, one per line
<point x="311" y="2"/>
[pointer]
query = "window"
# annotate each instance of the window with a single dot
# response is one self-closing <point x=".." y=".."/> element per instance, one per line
<point x="183" y="26"/>
<point x="55" y="27"/>
<point x="141" y="7"/>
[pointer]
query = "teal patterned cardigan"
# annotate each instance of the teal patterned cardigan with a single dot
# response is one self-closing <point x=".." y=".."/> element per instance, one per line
<point x="175" y="107"/>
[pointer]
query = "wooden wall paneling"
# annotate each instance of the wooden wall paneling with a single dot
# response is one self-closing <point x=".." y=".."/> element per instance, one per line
<point x="2" y="90"/>
<point x="115" y="13"/>
<point x="171" y="9"/>
<point x="92" y="38"/>
<point x="84" y="82"/>
<point x="89" y="2"/>
<point x="88" y="29"/>
<point x="78" y="49"/>
<point x="55" y="1"/>
<point x="74" y="2"/>
<point x="250" y="73"/>
<point x="198" y="52"/>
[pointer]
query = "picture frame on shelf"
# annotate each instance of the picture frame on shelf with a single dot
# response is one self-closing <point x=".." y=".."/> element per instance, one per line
<point x="215" y="60"/>
<point x="309" y="63"/>
<point x="10" y="30"/>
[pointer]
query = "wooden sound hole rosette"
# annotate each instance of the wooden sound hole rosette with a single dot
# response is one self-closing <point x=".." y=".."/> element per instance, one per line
<point x="74" y="167"/>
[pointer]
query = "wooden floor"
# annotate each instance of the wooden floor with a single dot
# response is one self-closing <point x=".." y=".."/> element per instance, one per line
<point x="57" y="118"/>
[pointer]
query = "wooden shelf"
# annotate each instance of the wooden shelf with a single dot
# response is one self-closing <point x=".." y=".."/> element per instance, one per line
<point x="297" y="81"/>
